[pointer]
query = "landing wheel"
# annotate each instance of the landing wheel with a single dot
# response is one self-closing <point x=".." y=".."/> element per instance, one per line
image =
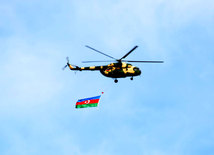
<point x="131" y="78"/>
<point x="115" y="80"/>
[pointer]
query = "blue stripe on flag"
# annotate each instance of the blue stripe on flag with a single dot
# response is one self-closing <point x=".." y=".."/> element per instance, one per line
<point x="90" y="98"/>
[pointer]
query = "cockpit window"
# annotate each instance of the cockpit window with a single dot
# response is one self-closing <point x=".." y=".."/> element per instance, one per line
<point x="135" y="69"/>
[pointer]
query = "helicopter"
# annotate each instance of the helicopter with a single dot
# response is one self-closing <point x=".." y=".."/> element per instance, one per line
<point x="115" y="70"/>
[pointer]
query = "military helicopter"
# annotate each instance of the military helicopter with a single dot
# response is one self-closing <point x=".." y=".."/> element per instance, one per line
<point x="117" y="69"/>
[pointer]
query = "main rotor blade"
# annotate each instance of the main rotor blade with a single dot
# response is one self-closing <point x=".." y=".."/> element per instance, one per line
<point x="96" y="61"/>
<point x="129" y="52"/>
<point x="100" y="52"/>
<point x="144" y="61"/>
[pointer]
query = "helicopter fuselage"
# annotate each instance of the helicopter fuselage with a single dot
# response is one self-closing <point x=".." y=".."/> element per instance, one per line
<point x="113" y="70"/>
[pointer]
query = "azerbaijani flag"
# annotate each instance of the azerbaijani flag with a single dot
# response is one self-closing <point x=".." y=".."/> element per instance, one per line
<point x="88" y="102"/>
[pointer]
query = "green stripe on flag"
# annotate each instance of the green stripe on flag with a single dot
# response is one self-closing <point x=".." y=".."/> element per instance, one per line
<point x="87" y="105"/>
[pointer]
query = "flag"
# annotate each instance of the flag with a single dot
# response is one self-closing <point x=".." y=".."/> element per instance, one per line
<point x="88" y="102"/>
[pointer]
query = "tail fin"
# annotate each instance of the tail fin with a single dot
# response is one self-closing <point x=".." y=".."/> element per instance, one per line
<point x="72" y="67"/>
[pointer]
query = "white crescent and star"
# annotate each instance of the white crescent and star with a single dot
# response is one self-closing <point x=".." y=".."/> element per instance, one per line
<point x="87" y="101"/>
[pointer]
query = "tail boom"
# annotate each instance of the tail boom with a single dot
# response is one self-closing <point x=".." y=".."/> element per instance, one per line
<point x="92" y="68"/>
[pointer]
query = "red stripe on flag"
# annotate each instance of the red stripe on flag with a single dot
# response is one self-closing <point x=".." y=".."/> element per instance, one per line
<point x="88" y="102"/>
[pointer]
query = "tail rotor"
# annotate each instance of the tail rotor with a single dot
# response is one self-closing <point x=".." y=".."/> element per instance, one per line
<point x="67" y="58"/>
<point x="70" y="65"/>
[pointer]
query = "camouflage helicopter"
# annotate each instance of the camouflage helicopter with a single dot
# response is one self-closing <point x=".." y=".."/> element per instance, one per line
<point x="117" y="69"/>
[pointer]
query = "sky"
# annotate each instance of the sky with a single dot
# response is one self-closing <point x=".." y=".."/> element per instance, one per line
<point x="168" y="110"/>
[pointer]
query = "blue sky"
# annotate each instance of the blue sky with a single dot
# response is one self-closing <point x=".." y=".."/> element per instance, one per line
<point x="167" y="110"/>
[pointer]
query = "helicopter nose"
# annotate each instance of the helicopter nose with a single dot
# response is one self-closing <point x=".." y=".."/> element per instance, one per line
<point x="137" y="71"/>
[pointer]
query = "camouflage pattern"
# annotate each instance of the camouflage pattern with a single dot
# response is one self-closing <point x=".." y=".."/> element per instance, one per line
<point x="113" y="70"/>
